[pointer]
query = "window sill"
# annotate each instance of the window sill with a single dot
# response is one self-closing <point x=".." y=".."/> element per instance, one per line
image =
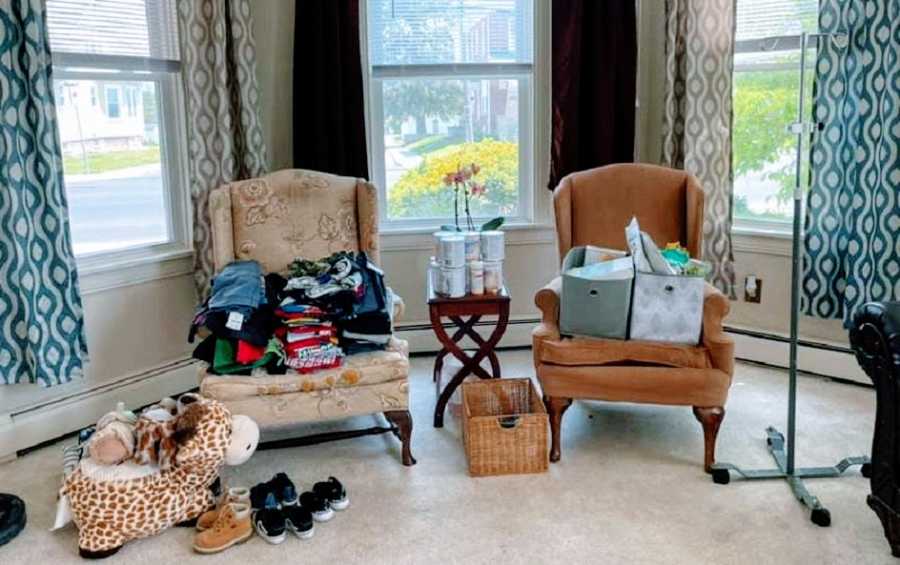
<point x="773" y="230"/>
<point x="107" y="271"/>
<point x="419" y="238"/>
<point x="762" y="241"/>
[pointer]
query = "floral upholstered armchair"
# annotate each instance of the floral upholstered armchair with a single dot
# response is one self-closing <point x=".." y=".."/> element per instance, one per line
<point x="273" y="220"/>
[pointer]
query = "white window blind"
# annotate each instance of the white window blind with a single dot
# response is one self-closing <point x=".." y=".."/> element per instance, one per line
<point x="757" y="19"/>
<point x="435" y="32"/>
<point x="129" y="28"/>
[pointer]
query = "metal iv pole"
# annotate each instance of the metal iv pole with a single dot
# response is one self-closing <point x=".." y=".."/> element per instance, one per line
<point x="783" y="453"/>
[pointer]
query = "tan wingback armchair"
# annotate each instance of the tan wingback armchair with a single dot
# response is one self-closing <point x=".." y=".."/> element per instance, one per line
<point x="275" y="219"/>
<point x="593" y="207"/>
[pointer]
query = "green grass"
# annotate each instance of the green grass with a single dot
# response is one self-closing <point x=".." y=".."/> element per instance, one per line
<point x="110" y="161"/>
<point x="431" y="143"/>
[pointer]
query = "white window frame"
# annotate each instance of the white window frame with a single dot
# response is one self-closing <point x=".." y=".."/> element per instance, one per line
<point x="533" y="205"/>
<point x="165" y="74"/>
<point x="765" y="228"/>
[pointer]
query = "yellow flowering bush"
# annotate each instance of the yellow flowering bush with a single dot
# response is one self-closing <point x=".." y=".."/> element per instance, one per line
<point x="422" y="193"/>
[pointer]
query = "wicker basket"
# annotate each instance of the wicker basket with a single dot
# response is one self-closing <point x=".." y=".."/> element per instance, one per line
<point x="504" y="427"/>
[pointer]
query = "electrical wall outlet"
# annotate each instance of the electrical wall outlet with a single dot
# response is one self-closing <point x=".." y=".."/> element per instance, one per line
<point x="753" y="289"/>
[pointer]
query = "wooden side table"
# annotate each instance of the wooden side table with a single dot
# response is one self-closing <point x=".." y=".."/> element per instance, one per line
<point x="473" y="308"/>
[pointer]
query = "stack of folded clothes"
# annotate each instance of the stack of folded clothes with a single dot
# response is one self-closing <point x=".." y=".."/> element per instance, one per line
<point x="240" y="318"/>
<point x="324" y="310"/>
<point x="309" y="338"/>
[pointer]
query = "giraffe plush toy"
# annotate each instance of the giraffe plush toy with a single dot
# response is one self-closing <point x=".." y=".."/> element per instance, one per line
<point x="112" y="505"/>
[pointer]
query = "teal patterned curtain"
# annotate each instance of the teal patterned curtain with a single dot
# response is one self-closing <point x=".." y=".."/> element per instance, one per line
<point x="853" y="208"/>
<point x="41" y="322"/>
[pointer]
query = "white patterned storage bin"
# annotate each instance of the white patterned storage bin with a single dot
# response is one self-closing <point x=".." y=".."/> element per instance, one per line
<point x="667" y="308"/>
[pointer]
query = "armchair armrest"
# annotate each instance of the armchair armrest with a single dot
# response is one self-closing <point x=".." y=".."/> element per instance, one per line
<point x="397" y="306"/>
<point x="720" y="346"/>
<point x="547" y="300"/>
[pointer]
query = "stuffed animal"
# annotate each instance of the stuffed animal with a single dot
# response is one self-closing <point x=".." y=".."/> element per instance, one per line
<point x="113" y="440"/>
<point x="112" y="505"/>
<point x="153" y="431"/>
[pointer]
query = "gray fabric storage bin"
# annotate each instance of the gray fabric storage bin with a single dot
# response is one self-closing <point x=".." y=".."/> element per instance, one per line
<point x="592" y="307"/>
<point x="667" y="308"/>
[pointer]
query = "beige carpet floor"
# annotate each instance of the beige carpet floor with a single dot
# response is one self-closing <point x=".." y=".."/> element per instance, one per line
<point x="629" y="489"/>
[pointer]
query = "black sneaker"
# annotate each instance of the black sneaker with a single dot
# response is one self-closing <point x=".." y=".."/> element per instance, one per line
<point x="285" y="492"/>
<point x="298" y="520"/>
<point x="259" y="494"/>
<point x="269" y="522"/>
<point x="280" y="486"/>
<point x="334" y="492"/>
<point x="319" y="508"/>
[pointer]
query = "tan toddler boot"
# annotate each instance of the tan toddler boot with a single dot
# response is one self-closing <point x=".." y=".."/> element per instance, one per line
<point x="237" y="494"/>
<point x="232" y="526"/>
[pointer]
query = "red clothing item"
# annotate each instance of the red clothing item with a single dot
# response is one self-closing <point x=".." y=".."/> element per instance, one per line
<point x="290" y="348"/>
<point x="248" y="353"/>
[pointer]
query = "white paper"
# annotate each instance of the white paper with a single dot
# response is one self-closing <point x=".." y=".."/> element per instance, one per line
<point x="235" y="321"/>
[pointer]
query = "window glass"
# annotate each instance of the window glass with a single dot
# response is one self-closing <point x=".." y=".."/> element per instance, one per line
<point x="450" y="85"/>
<point x="113" y="168"/>
<point x="766" y="90"/>
<point x="112" y="124"/>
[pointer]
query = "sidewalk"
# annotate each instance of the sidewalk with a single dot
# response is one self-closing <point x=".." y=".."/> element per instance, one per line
<point x="151" y="170"/>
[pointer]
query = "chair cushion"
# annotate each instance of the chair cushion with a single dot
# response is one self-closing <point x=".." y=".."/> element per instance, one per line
<point x="362" y="369"/>
<point x="597" y="351"/>
<point x="284" y="411"/>
<point x="650" y="385"/>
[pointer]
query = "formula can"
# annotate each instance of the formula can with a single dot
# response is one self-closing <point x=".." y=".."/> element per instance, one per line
<point x="454" y="281"/>
<point x="437" y="236"/>
<point x="493" y="277"/>
<point x="434" y="275"/>
<point x="452" y="251"/>
<point x="492" y="244"/>
<point x="473" y="245"/>
<point x="476" y="277"/>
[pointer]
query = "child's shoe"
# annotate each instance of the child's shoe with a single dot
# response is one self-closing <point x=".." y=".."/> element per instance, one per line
<point x="298" y="520"/>
<point x="317" y="506"/>
<point x="334" y="492"/>
<point x="231" y="527"/>
<point x="208" y="518"/>
<point x="285" y="492"/>
<point x="269" y="521"/>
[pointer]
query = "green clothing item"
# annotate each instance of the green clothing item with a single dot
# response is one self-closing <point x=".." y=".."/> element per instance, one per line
<point x="225" y="363"/>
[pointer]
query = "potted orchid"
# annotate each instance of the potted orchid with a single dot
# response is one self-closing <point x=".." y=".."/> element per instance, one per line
<point x="463" y="182"/>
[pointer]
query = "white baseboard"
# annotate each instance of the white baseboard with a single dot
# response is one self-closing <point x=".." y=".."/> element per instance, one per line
<point x="810" y="359"/>
<point x="43" y="421"/>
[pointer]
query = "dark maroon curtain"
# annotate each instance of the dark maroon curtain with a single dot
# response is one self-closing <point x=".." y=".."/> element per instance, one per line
<point x="594" y="75"/>
<point x="329" y="116"/>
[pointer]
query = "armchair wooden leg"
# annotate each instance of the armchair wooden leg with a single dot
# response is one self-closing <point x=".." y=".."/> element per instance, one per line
<point x="556" y="407"/>
<point x="402" y="419"/>
<point x="710" y="418"/>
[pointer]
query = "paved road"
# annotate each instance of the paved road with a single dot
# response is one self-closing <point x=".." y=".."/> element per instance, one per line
<point x="115" y="212"/>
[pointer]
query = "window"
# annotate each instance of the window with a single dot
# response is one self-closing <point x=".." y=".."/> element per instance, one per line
<point x="450" y="83"/>
<point x="112" y="102"/>
<point x="766" y="88"/>
<point x="120" y="126"/>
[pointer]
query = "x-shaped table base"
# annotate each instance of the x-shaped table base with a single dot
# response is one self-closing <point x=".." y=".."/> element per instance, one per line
<point x="455" y="311"/>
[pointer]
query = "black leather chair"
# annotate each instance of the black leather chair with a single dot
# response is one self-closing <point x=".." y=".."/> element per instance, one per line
<point x="875" y="338"/>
